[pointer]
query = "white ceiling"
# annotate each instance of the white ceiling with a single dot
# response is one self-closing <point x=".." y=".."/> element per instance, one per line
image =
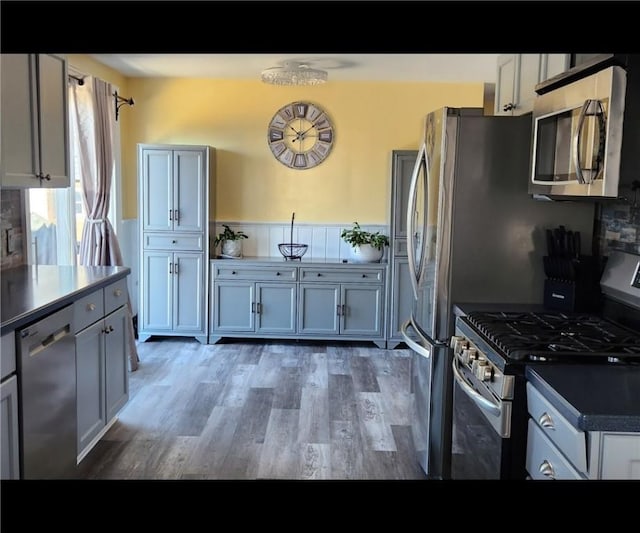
<point x="340" y="67"/>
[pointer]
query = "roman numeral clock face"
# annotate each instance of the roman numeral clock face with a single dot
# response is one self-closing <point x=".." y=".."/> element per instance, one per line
<point x="300" y="135"/>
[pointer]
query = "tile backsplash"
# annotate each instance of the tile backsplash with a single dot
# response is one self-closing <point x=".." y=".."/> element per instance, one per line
<point x="619" y="227"/>
<point x="12" y="231"/>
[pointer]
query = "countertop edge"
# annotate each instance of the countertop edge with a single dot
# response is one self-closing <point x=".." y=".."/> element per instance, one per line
<point x="23" y="319"/>
<point x="609" y="423"/>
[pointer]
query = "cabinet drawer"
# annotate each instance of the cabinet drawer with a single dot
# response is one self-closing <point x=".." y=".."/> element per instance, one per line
<point x="570" y="440"/>
<point x="8" y="354"/>
<point x="544" y="460"/>
<point x="88" y="309"/>
<point x="181" y="242"/>
<point x="115" y="295"/>
<point x="254" y="273"/>
<point x="343" y="275"/>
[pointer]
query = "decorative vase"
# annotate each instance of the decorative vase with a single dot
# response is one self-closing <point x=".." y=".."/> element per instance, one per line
<point x="232" y="248"/>
<point x="365" y="253"/>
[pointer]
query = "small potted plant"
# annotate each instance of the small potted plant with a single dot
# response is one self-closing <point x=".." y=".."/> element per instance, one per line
<point x="366" y="247"/>
<point x="231" y="242"/>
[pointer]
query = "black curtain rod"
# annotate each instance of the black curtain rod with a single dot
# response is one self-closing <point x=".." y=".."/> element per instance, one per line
<point x="79" y="80"/>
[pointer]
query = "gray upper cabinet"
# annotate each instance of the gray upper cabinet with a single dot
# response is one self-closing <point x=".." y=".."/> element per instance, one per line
<point x="517" y="76"/>
<point x="399" y="296"/>
<point x="34" y="123"/>
<point x="175" y="182"/>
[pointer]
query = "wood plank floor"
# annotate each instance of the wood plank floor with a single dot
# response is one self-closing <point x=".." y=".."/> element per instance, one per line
<point x="245" y="409"/>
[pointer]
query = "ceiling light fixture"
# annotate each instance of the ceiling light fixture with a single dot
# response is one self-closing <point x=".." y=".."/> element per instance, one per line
<point x="294" y="73"/>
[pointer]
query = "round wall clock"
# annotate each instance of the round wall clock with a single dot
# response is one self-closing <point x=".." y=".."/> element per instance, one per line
<point x="300" y="135"/>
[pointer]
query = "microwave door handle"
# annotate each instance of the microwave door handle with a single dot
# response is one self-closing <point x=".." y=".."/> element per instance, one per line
<point x="480" y="400"/>
<point x="584" y="112"/>
<point x="411" y="223"/>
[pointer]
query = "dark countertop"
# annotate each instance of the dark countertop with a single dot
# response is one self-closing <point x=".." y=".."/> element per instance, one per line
<point x="31" y="292"/>
<point x="592" y="397"/>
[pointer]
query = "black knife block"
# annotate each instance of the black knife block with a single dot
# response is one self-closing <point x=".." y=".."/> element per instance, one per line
<point x="575" y="289"/>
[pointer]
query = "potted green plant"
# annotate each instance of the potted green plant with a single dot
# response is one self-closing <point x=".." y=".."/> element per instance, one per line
<point x="366" y="246"/>
<point x="231" y="242"/>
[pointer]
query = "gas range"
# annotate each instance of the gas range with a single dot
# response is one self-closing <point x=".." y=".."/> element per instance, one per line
<point x="549" y="336"/>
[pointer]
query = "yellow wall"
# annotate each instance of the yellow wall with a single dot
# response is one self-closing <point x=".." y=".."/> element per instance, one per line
<point x="353" y="183"/>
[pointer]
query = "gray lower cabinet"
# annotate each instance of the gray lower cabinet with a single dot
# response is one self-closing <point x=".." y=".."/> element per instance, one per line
<point x="173" y="293"/>
<point x="102" y="373"/>
<point x="324" y="301"/>
<point x="9" y="437"/>
<point x="401" y="301"/>
<point x="340" y="309"/>
<point x="248" y="307"/>
<point x="9" y="446"/>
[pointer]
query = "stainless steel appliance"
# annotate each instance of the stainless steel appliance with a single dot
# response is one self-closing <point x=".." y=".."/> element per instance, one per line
<point x="492" y="348"/>
<point x="585" y="136"/>
<point x="47" y="370"/>
<point x="475" y="236"/>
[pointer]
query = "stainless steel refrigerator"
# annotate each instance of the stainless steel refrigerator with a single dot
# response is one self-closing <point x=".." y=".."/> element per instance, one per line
<point x="475" y="236"/>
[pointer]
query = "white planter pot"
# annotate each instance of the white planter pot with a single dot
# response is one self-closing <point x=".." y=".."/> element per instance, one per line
<point x="365" y="253"/>
<point x="232" y="248"/>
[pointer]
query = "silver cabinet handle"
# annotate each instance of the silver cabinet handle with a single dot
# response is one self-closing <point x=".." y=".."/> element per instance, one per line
<point x="91" y="307"/>
<point x="546" y="421"/>
<point x="258" y="308"/>
<point x="170" y="268"/>
<point x="338" y="309"/>
<point x="508" y="107"/>
<point x="170" y="214"/>
<point x="176" y="215"/>
<point x="117" y="293"/>
<point x="546" y="469"/>
<point x="175" y="267"/>
<point x="253" y="307"/>
<point x="343" y="310"/>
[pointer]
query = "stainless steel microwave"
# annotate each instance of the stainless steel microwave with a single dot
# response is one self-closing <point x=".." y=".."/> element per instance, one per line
<point x="577" y="137"/>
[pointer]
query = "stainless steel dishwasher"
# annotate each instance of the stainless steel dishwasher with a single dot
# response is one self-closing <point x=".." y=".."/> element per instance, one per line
<point x="48" y="397"/>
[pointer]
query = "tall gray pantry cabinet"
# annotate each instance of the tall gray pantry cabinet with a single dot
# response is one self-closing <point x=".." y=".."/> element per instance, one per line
<point x="399" y="287"/>
<point x="174" y="201"/>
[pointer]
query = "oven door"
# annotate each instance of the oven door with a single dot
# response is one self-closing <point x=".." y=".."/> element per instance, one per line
<point x="481" y="429"/>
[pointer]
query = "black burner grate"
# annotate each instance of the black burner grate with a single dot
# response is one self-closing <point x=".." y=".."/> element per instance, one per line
<point x="556" y="335"/>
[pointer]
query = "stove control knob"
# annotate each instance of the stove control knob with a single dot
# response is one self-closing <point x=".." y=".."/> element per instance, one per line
<point x="482" y="371"/>
<point x="469" y="355"/>
<point x="458" y="344"/>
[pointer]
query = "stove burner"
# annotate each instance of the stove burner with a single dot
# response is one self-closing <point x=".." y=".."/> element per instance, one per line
<point x="556" y="336"/>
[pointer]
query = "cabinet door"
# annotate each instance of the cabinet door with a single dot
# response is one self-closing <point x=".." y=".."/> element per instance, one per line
<point x="620" y="458"/>
<point x="19" y="121"/>
<point x="53" y="120"/>
<point x="555" y="64"/>
<point x="528" y="75"/>
<point x="403" y="163"/>
<point x="156" y="291"/>
<point x="233" y="304"/>
<point x="156" y="195"/>
<point x="401" y="297"/>
<point x="506" y="84"/>
<point x="91" y="414"/>
<point x="189" y="190"/>
<point x="189" y="297"/>
<point x="115" y="362"/>
<point x="276" y="307"/>
<point x="9" y="444"/>
<point x="361" y="312"/>
<point x="319" y="309"/>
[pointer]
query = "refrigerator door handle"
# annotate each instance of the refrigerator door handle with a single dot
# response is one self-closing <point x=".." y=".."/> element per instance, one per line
<point x="418" y="348"/>
<point x="411" y="219"/>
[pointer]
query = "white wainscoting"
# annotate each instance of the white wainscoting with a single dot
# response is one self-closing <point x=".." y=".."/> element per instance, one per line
<point x="129" y="246"/>
<point x="324" y="240"/>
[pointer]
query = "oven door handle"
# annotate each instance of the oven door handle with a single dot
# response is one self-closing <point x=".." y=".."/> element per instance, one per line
<point x="481" y="401"/>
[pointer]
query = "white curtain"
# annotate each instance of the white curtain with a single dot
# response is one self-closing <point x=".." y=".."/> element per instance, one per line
<point x="92" y="110"/>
